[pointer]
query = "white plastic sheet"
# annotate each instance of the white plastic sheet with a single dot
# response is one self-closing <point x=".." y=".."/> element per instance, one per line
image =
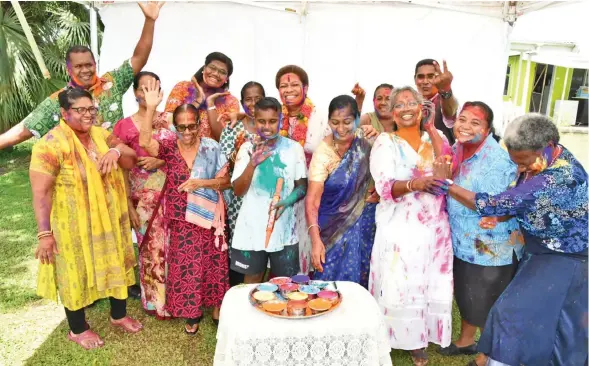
<point x="337" y="44"/>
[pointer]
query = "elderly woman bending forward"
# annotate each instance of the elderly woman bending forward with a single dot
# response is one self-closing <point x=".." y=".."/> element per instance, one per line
<point x="411" y="264"/>
<point x="80" y="204"/>
<point x="541" y="317"/>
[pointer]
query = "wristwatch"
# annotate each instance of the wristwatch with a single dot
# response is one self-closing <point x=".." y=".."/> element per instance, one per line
<point x="445" y="95"/>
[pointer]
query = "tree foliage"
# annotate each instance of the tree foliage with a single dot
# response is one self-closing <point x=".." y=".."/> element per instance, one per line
<point x="56" y="26"/>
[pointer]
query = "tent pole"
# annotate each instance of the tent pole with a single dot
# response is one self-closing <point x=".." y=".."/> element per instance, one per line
<point x="93" y="30"/>
<point x="27" y="29"/>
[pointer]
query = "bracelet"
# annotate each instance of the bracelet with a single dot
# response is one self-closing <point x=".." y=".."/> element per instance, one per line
<point x="211" y="108"/>
<point x="318" y="227"/>
<point x="410" y="185"/>
<point x="115" y="149"/>
<point x="44" y="234"/>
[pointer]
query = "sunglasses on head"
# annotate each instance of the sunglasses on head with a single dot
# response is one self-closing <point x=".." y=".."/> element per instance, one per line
<point x="182" y="128"/>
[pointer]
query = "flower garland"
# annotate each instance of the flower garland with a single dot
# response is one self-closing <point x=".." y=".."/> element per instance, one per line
<point x="299" y="133"/>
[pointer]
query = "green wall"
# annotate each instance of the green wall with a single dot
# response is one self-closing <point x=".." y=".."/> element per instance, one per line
<point x="560" y="84"/>
<point x="517" y="77"/>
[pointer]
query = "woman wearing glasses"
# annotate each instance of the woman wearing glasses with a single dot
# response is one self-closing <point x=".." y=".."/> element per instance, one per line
<point x="411" y="264"/>
<point x="212" y="81"/>
<point x="85" y="247"/>
<point x="197" y="256"/>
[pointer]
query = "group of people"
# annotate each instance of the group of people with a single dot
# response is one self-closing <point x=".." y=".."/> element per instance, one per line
<point x="417" y="201"/>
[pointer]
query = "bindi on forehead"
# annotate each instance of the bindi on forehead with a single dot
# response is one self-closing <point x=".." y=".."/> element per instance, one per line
<point x="290" y="77"/>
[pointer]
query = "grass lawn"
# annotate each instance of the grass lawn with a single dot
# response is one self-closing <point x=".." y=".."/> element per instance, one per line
<point x="34" y="330"/>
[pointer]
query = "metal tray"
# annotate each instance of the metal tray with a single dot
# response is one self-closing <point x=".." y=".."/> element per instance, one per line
<point x="308" y="312"/>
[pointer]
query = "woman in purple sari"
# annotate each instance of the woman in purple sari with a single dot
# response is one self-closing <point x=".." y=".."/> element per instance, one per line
<point x="341" y="202"/>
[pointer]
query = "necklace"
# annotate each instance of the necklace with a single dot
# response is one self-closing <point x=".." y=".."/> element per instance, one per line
<point x="300" y="122"/>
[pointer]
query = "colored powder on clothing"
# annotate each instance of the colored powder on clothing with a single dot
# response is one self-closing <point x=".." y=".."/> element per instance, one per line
<point x="268" y="172"/>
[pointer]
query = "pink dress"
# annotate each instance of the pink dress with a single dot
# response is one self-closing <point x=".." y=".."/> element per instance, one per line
<point x="146" y="188"/>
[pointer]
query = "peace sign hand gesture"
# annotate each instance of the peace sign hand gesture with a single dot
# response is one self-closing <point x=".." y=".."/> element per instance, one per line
<point x="151" y="10"/>
<point x="442" y="78"/>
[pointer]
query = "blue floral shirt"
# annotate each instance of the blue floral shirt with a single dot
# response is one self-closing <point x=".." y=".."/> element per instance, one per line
<point x="489" y="170"/>
<point x="551" y="207"/>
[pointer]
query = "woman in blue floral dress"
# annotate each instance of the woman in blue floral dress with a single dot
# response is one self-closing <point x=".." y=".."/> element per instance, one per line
<point x="541" y="318"/>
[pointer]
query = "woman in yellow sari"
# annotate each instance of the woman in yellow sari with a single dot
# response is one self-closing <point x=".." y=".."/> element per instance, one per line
<point x="80" y="205"/>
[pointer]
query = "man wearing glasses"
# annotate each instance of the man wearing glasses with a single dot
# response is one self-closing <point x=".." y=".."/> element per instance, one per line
<point x="435" y="85"/>
<point x="107" y="90"/>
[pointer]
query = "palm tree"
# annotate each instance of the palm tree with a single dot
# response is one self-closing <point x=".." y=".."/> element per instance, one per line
<point x="56" y="26"/>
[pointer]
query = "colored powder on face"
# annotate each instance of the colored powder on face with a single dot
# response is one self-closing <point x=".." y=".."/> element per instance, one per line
<point x="477" y="112"/>
<point x="478" y="137"/>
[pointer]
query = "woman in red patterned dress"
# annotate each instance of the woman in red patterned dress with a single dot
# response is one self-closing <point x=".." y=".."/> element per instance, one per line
<point x="197" y="266"/>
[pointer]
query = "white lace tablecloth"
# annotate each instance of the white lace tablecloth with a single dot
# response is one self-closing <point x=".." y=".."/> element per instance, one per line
<point x="353" y="334"/>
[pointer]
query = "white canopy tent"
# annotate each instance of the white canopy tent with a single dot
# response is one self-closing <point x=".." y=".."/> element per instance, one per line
<point x="337" y="43"/>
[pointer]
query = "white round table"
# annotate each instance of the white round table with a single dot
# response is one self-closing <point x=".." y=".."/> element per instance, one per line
<point x="353" y="334"/>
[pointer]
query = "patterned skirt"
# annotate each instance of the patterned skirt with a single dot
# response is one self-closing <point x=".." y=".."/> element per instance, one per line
<point x="349" y="258"/>
<point x="197" y="270"/>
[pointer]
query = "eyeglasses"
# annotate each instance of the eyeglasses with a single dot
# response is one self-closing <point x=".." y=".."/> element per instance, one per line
<point x="182" y="128"/>
<point x="412" y="104"/>
<point x="83" y="110"/>
<point x="213" y="68"/>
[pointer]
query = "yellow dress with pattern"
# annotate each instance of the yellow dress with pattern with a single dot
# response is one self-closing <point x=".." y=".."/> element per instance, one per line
<point x="89" y="220"/>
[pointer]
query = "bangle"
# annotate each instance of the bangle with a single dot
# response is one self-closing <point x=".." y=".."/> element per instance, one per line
<point x="314" y="225"/>
<point x="211" y="108"/>
<point x="410" y="185"/>
<point x="115" y="149"/>
<point x="44" y="234"/>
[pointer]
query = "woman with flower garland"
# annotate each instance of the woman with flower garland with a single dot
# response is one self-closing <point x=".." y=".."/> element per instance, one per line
<point x="212" y="80"/>
<point x="304" y="124"/>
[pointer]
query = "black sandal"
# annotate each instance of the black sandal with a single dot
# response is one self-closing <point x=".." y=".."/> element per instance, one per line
<point x="191" y="332"/>
<point x="454" y="350"/>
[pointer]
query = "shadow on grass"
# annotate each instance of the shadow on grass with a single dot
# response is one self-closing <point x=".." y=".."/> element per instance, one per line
<point x="161" y="342"/>
<point x="17" y="230"/>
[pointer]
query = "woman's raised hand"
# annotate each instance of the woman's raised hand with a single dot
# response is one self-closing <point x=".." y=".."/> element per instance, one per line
<point x="153" y="94"/>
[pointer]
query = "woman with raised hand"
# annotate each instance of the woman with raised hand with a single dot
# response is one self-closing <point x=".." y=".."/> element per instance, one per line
<point x="146" y="181"/>
<point x="208" y="91"/>
<point x="197" y="256"/>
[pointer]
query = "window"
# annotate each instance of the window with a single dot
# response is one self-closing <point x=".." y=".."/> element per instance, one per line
<point x="506" y="87"/>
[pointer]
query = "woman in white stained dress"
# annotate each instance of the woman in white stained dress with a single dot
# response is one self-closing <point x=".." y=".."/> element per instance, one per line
<point x="411" y="263"/>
